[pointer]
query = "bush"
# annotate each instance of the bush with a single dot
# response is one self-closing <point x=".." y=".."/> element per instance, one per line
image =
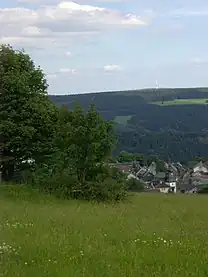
<point x="108" y="190"/>
<point x="59" y="183"/>
<point x="107" y="186"/>
<point x="135" y="185"/>
<point x="204" y="190"/>
<point x="76" y="166"/>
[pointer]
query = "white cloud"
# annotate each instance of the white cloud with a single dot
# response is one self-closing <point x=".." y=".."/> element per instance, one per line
<point x="112" y="68"/>
<point x="67" y="70"/>
<point x="198" y="61"/>
<point x="51" y="76"/>
<point x="37" y="1"/>
<point x="72" y="6"/>
<point x="186" y="12"/>
<point x="32" y="31"/>
<point x="55" y="1"/>
<point x="68" y="54"/>
<point x="56" y="24"/>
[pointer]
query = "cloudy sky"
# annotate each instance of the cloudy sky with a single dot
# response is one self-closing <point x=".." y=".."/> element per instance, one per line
<point x="101" y="45"/>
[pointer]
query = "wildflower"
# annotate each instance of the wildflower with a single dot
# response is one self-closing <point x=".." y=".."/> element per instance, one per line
<point x="15" y="225"/>
<point x="136" y="240"/>
<point x="6" y="248"/>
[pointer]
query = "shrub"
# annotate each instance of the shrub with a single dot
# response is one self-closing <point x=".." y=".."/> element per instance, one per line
<point x="108" y="190"/>
<point x="135" y="185"/>
<point x="204" y="190"/>
<point x="107" y="186"/>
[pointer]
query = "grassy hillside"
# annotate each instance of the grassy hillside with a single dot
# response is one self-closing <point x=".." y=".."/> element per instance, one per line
<point x="125" y="103"/>
<point x="149" y="235"/>
<point x="122" y="119"/>
<point x="190" y="101"/>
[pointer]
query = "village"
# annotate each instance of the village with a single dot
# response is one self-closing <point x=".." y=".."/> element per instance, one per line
<point x="176" y="178"/>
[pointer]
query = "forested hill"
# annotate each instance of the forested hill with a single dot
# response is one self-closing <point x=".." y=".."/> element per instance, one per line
<point x="171" y="123"/>
<point x="147" y="95"/>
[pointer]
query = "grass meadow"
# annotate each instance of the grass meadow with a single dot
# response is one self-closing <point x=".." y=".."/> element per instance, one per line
<point x="197" y="101"/>
<point x="122" y="119"/>
<point x="147" y="235"/>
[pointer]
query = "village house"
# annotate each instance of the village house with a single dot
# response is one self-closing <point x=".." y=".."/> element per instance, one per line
<point x="175" y="177"/>
<point x="122" y="167"/>
<point x="194" y="178"/>
<point x="164" y="188"/>
<point x="199" y="175"/>
<point x="164" y="181"/>
<point x="200" y="168"/>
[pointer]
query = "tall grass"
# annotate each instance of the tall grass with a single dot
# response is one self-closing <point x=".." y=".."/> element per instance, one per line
<point x="149" y="235"/>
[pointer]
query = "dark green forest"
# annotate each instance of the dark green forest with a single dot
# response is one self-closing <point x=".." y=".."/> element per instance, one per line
<point x="145" y="124"/>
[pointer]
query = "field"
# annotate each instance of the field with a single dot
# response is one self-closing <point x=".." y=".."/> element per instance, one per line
<point x="122" y="119"/>
<point x="148" y="235"/>
<point x="196" y="101"/>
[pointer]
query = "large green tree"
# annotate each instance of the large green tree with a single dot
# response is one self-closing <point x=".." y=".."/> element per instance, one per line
<point x="86" y="141"/>
<point x="27" y="117"/>
<point x="78" y="168"/>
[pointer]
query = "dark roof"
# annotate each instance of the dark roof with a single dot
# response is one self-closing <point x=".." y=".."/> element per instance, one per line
<point x="160" y="175"/>
<point x="148" y="177"/>
<point x="123" y="167"/>
<point x="163" y="185"/>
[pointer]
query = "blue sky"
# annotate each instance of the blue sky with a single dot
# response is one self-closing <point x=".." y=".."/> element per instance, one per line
<point x="101" y="45"/>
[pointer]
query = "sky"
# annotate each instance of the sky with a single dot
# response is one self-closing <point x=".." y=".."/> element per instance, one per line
<point x="101" y="45"/>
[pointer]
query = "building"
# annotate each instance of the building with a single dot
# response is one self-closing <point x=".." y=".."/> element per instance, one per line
<point x="164" y="188"/>
<point x="200" y="168"/>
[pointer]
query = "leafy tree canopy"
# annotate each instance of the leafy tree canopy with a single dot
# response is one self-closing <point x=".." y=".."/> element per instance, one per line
<point x="85" y="139"/>
<point x="27" y="116"/>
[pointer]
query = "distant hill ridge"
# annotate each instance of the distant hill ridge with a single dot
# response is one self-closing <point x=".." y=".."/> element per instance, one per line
<point x="123" y="102"/>
<point x="169" y="122"/>
<point x="149" y="94"/>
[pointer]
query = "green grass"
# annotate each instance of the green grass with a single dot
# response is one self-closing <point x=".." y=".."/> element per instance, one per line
<point x="120" y="119"/>
<point x="149" y="235"/>
<point x="181" y="102"/>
